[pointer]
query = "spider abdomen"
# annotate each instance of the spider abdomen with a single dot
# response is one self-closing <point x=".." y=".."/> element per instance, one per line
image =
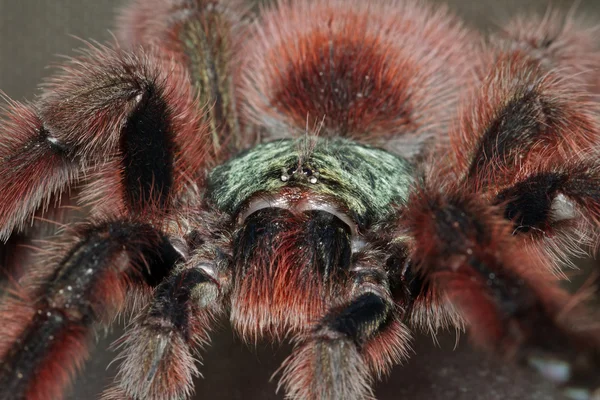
<point x="355" y="69"/>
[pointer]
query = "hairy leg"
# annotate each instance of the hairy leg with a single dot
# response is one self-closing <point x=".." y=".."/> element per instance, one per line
<point x="160" y="348"/>
<point x="494" y="222"/>
<point x="355" y="342"/>
<point x="204" y="36"/>
<point x="526" y="140"/>
<point x="103" y="119"/>
<point x="509" y="299"/>
<point x="49" y="317"/>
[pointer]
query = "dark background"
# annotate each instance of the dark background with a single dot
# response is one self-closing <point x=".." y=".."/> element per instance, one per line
<point x="32" y="35"/>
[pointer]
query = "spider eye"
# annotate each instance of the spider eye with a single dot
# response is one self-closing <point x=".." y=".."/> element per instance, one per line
<point x="307" y="173"/>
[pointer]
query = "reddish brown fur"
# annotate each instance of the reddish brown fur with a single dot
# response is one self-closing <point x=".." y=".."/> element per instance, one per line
<point x="449" y="266"/>
<point x="158" y="22"/>
<point x="38" y="295"/>
<point x="552" y="60"/>
<point x="390" y="347"/>
<point x="97" y="134"/>
<point x="580" y="179"/>
<point x="282" y="292"/>
<point x="15" y="315"/>
<point x="564" y="122"/>
<point x="64" y="359"/>
<point x="565" y="43"/>
<point x="445" y="266"/>
<point x="325" y="364"/>
<point x="184" y="30"/>
<point x="373" y="71"/>
<point x="101" y="86"/>
<point x="433" y="312"/>
<point x="159" y="360"/>
<point x="168" y="352"/>
<point x="65" y="356"/>
<point x="311" y="371"/>
<point x="574" y="237"/>
<point x="24" y="156"/>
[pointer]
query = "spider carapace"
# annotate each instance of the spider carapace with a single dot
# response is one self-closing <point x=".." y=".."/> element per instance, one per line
<point x="333" y="173"/>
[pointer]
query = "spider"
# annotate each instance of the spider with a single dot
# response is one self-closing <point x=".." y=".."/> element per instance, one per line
<point x="334" y="173"/>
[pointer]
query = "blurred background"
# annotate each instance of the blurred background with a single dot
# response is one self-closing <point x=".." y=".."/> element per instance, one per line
<point x="33" y="33"/>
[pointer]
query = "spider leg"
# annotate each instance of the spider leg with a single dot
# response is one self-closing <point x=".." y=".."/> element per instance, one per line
<point x="521" y="180"/>
<point x="527" y="138"/>
<point x="555" y="209"/>
<point x="205" y="37"/>
<point x="107" y="118"/>
<point x="509" y="299"/>
<point x="351" y="344"/>
<point x="129" y="127"/>
<point x="120" y="120"/>
<point x="560" y="41"/>
<point x="28" y="151"/>
<point x="159" y="348"/>
<point x="49" y="319"/>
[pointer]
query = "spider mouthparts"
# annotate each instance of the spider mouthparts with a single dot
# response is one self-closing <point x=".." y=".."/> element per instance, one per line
<point x="298" y="204"/>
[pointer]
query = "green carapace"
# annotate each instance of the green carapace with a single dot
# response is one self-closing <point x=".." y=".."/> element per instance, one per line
<point x="366" y="180"/>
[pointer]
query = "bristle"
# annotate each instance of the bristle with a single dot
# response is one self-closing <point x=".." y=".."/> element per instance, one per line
<point x="443" y="231"/>
<point x="157" y="365"/>
<point x="99" y="186"/>
<point x="432" y="313"/>
<point x="115" y="393"/>
<point x="531" y="200"/>
<point x="160" y="348"/>
<point x="499" y="185"/>
<point x="49" y="353"/>
<point x="507" y="297"/>
<point x="373" y="71"/>
<point x="96" y="109"/>
<point x="349" y="347"/>
<point x="326" y="369"/>
<point x="390" y="348"/>
<point x="555" y="210"/>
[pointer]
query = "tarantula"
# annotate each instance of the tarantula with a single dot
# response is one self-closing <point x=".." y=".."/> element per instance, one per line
<point x="338" y="173"/>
